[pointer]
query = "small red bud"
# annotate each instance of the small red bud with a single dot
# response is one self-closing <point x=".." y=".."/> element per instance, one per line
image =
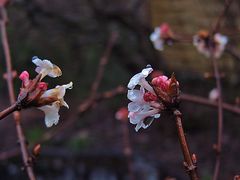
<point x="36" y="150"/>
<point x="194" y="158"/>
<point x="122" y="114"/>
<point x="164" y="28"/>
<point x="42" y="86"/>
<point x="149" y="97"/>
<point x="24" y="76"/>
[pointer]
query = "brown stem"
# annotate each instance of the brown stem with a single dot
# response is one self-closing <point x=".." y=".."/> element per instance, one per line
<point x="103" y="62"/>
<point x="127" y="149"/>
<point x="220" y="120"/>
<point x="191" y="167"/>
<point x="9" y="77"/>
<point x="8" y="111"/>
<point x="217" y="26"/>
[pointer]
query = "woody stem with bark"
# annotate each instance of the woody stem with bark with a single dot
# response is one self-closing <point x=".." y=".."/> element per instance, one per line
<point x="8" y="111"/>
<point x="220" y="119"/>
<point x="16" y="115"/>
<point x="190" y="166"/>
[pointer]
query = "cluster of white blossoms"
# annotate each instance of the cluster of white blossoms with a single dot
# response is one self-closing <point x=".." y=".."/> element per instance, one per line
<point x="49" y="101"/>
<point x="205" y="45"/>
<point x="143" y="97"/>
<point x="209" y="47"/>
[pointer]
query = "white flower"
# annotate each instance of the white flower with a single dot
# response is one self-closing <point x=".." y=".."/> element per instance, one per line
<point x="51" y="111"/>
<point x="139" y="79"/>
<point x="213" y="94"/>
<point x="201" y="46"/>
<point x="221" y="42"/>
<point x="139" y="110"/>
<point x="155" y="37"/>
<point x="45" y="67"/>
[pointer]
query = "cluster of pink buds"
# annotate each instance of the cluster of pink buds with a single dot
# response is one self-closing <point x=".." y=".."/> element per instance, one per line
<point x="149" y="99"/>
<point x="208" y="45"/>
<point x="34" y="93"/>
<point x="162" y="35"/>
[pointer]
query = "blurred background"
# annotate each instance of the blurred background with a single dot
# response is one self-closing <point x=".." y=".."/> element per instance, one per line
<point x="89" y="142"/>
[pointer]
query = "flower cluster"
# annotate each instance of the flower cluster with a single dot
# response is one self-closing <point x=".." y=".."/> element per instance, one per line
<point x="34" y="92"/>
<point x="161" y="35"/>
<point x="147" y="101"/>
<point x="210" y="46"/>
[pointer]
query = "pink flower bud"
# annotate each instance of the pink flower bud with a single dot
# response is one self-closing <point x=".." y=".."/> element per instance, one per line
<point x="148" y="97"/>
<point x="161" y="81"/>
<point x="156" y="73"/>
<point x="122" y="114"/>
<point x="24" y="76"/>
<point x="42" y="86"/>
<point x="164" y="28"/>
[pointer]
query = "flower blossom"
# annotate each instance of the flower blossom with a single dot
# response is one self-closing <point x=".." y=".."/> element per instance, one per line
<point x="149" y="100"/>
<point x="45" y="67"/>
<point x="161" y="35"/>
<point x="34" y="92"/>
<point x="215" y="47"/>
<point x="213" y="94"/>
<point x="144" y="104"/>
<point x="57" y="96"/>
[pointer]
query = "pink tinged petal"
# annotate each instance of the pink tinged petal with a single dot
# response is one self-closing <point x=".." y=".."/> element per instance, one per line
<point x="134" y="117"/>
<point x="51" y="114"/>
<point x="139" y="117"/>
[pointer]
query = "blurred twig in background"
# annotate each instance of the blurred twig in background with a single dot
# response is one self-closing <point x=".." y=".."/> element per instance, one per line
<point x="27" y="160"/>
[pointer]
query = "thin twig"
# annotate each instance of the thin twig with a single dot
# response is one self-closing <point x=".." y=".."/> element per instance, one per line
<point x="16" y="114"/>
<point x="103" y="61"/>
<point x="205" y="101"/>
<point x="99" y="75"/>
<point x="8" y="111"/>
<point x="127" y="148"/>
<point x="220" y="119"/>
<point x="217" y="26"/>
<point x="190" y="166"/>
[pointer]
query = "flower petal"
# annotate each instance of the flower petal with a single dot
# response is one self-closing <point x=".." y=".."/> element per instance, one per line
<point x="45" y="67"/>
<point x="135" y="95"/>
<point x="138" y="77"/>
<point x="134" y="107"/>
<point x="51" y="114"/>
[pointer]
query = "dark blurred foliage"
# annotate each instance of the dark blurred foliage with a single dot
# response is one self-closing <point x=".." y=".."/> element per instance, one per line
<point x="74" y="34"/>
